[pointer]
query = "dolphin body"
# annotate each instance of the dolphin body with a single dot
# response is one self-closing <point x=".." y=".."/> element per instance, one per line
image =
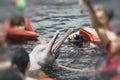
<point x="43" y="55"/>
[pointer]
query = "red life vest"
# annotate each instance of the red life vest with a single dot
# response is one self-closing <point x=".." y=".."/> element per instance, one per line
<point x="88" y="36"/>
<point x="14" y="34"/>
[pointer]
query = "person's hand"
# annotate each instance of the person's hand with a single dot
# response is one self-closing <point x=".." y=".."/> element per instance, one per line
<point x="99" y="69"/>
<point x="94" y="70"/>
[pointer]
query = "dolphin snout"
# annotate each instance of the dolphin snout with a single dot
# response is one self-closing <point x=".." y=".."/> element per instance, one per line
<point x="51" y="43"/>
<point x="61" y="40"/>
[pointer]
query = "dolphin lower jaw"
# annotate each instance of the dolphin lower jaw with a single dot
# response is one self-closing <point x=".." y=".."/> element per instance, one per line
<point x="33" y="64"/>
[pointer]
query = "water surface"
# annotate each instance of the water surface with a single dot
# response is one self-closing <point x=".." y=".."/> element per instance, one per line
<point x="48" y="16"/>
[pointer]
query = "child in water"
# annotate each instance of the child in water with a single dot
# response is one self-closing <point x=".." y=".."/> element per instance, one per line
<point x="19" y="28"/>
<point x="21" y="62"/>
<point x="104" y="14"/>
<point x="111" y="69"/>
<point x="17" y="22"/>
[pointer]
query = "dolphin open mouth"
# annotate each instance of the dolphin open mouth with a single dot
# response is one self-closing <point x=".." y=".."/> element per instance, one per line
<point x="43" y="55"/>
<point x="53" y="47"/>
<point x="61" y="40"/>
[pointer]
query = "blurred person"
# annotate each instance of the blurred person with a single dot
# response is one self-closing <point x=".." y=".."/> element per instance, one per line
<point x="111" y="68"/>
<point x="2" y="36"/>
<point x="5" y="60"/>
<point x="104" y="14"/>
<point x="113" y="45"/>
<point x="21" y="62"/>
<point x="5" y="54"/>
<point x="19" y="29"/>
<point x="10" y="74"/>
<point x="17" y="22"/>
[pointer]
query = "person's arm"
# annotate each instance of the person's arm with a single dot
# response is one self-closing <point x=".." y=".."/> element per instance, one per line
<point x="96" y="24"/>
<point x="80" y="4"/>
<point x="80" y="70"/>
<point x="28" y="26"/>
<point x="97" y="70"/>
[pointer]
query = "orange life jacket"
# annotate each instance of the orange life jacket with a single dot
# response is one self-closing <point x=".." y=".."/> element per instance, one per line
<point x="88" y="36"/>
<point x="14" y="34"/>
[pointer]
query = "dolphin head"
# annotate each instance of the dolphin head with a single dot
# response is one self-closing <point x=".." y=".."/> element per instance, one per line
<point x="43" y="55"/>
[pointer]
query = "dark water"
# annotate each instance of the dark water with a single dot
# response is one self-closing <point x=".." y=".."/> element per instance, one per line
<point x="46" y="17"/>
